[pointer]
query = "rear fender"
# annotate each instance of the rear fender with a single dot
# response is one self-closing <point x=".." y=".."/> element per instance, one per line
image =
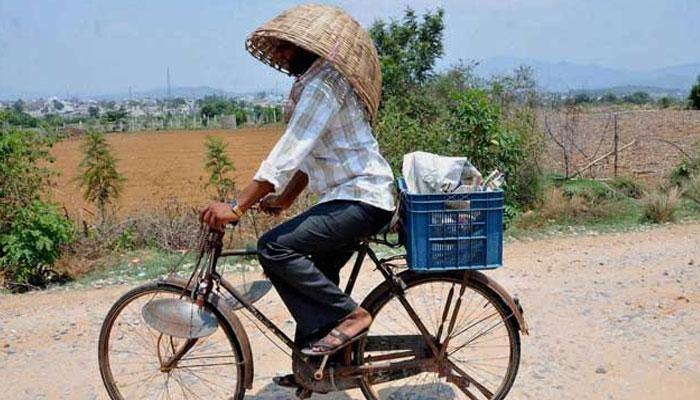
<point x="226" y="310"/>
<point x="512" y="303"/>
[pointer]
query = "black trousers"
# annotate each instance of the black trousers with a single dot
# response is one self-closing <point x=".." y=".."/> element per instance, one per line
<point x="303" y="257"/>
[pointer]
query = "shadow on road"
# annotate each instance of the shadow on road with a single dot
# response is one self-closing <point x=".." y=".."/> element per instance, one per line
<point x="413" y="392"/>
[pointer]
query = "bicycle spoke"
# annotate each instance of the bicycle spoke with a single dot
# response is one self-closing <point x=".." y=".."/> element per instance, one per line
<point x="478" y="348"/>
<point x="133" y="345"/>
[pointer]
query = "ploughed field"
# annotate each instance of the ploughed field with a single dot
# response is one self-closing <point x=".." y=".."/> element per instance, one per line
<point x="660" y="138"/>
<point x="164" y="165"/>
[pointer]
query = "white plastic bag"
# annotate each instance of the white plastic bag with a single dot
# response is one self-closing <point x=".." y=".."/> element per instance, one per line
<point x="431" y="173"/>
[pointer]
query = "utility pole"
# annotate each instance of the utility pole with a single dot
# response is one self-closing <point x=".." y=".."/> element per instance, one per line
<point x="168" y="79"/>
<point x="616" y="141"/>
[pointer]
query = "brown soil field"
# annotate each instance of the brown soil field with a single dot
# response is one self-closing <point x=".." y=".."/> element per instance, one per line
<point x="167" y="165"/>
<point x="162" y="165"/>
<point x="659" y="135"/>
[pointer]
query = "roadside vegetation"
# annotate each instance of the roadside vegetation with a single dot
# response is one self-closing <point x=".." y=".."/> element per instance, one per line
<point x="493" y="122"/>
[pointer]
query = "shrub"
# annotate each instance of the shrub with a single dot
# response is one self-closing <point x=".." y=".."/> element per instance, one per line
<point x="32" y="232"/>
<point x="639" y="98"/>
<point x="665" y="102"/>
<point x="97" y="174"/>
<point x="219" y="166"/>
<point x="32" y="243"/>
<point x="23" y="175"/>
<point x="661" y="205"/>
<point x="694" y="96"/>
<point x="173" y="226"/>
<point x="589" y="189"/>
<point x="692" y="189"/>
<point x="627" y="187"/>
<point x="687" y="168"/>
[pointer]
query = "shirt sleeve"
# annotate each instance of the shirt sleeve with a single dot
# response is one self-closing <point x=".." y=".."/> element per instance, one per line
<point x="316" y="106"/>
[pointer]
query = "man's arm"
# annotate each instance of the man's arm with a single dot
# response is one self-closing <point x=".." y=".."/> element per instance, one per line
<point x="274" y="204"/>
<point x="297" y="185"/>
<point x="313" y="112"/>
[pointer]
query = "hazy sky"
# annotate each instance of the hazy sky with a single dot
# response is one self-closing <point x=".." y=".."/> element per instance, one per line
<point x="88" y="47"/>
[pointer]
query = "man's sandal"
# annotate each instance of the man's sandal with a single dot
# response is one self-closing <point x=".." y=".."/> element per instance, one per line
<point x="288" y="381"/>
<point x="321" y="348"/>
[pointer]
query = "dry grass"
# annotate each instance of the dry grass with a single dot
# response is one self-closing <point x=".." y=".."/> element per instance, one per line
<point x="559" y="208"/>
<point x="661" y="205"/>
<point x="692" y="189"/>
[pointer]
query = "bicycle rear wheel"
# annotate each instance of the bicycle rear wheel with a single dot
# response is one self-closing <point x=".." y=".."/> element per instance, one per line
<point x="483" y="351"/>
<point x="131" y="355"/>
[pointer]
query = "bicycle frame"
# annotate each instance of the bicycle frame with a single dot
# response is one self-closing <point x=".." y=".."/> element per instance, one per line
<point x="429" y="353"/>
<point x="363" y="251"/>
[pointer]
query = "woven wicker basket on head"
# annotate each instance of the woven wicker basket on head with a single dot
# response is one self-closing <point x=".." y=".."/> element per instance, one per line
<point x="331" y="33"/>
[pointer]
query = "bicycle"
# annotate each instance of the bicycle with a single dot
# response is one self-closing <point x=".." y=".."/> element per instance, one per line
<point x="444" y="334"/>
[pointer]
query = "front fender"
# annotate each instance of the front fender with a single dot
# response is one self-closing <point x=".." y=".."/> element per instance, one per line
<point x="225" y="309"/>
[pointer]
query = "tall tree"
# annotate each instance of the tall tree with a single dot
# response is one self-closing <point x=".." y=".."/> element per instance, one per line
<point x="408" y="48"/>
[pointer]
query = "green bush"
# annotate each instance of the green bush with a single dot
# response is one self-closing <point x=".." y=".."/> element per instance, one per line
<point x="32" y="243"/>
<point x="15" y="116"/>
<point x="589" y="189"/>
<point x="692" y="190"/>
<point x="23" y="175"/>
<point x="637" y="98"/>
<point x="627" y="187"/>
<point x="220" y="168"/>
<point x="445" y="119"/>
<point x="32" y="232"/>
<point x="125" y="240"/>
<point x="686" y="169"/>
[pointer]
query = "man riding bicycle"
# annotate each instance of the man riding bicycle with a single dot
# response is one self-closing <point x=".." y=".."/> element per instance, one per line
<point x="328" y="146"/>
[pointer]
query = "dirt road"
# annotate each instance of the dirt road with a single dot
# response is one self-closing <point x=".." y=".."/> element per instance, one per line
<point x="614" y="316"/>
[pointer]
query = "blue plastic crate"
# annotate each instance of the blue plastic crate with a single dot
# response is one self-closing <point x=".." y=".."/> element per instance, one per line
<point x="455" y="231"/>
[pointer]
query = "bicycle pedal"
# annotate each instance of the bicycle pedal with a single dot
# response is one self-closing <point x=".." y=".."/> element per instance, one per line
<point x="303" y="393"/>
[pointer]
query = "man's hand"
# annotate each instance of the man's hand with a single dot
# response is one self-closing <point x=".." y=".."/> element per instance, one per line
<point x="217" y="215"/>
<point x="273" y="204"/>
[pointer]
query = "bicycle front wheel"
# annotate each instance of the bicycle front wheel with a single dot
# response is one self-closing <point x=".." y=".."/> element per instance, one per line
<point x="133" y="356"/>
<point x="482" y="353"/>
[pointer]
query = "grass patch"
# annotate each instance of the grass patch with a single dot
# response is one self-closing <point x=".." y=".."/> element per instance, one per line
<point x="612" y="205"/>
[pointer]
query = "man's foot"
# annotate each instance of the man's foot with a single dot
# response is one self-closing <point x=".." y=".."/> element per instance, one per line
<point x="286" y="381"/>
<point x="349" y="330"/>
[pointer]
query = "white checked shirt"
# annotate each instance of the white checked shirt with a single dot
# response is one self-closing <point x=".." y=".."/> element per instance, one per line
<point x="329" y="138"/>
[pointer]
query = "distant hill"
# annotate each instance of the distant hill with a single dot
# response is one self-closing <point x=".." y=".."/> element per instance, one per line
<point x="552" y="76"/>
<point x="188" y="92"/>
<point x="619" y="91"/>
<point x="567" y="76"/>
